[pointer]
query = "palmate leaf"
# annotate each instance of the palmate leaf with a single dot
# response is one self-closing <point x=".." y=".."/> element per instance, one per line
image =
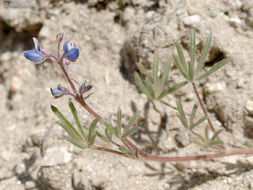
<point x="128" y="129"/>
<point x="79" y="144"/>
<point x="69" y="128"/>
<point x="214" y="68"/>
<point x="198" y="122"/>
<point x="70" y="131"/>
<point x="182" y="114"/>
<point x="75" y="116"/>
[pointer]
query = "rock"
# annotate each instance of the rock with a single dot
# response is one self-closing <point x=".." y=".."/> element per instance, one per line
<point x="128" y="14"/>
<point x="192" y="20"/>
<point x="249" y="107"/>
<point x="30" y="184"/>
<point x="55" y="156"/>
<point x="235" y="21"/>
<point x="215" y="87"/>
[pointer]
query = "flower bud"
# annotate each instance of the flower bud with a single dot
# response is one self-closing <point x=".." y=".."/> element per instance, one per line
<point x="85" y="87"/>
<point x="58" y="92"/>
<point x="72" y="53"/>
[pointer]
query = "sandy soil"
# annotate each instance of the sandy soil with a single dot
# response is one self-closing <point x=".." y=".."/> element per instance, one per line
<point x="34" y="153"/>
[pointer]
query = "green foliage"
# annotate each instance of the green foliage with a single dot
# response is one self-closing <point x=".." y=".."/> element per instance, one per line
<point x="77" y="137"/>
<point x="153" y="87"/>
<point x="190" y="72"/>
<point x="206" y="141"/>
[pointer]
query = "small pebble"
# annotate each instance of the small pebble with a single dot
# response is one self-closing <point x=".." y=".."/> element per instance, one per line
<point x="249" y="107"/>
<point x="194" y="19"/>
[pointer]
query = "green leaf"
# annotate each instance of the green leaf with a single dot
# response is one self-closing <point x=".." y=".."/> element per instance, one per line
<point x="141" y="68"/>
<point x="198" y="143"/>
<point x="64" y="120"/>
<point x="79" y="144"/>
<point x="181" y="57"/>
<point x="191" y="64"/>
<point x="149" y="87"/>
<point x="172" y="89"/>
<point x="191" y="71"/>
<point x="214" y="68"/>
<point x="248" y="144"/>
<point x="193" y="113"/>
<point x="92" y="140"/>
<point x="102" y="136"/>
<point x="165" y="74"/>
<point x="92" y="130"/>
<point x="141" y="86"/>
<point x="207" y="132"/>
<point x="198" y="122"/>
<point x="182" y="121"/>
<point x="118" y="128"/>
<point x="181" y="112"/>
<point x="181" y="68"/>
<point x="124" y="149"/>
<point x="202" y="138"/>
<point x="155" y="72"/>
<point x="69" y="130"/>
<point x="204" y="53"/>
<point x="75" y="116"/>
<point x="215" y="143"/>
<point x="131" y="122"/>
<point x="216" y="134"/>
<point x="130" y="131"/>
<point x="108" y="130"/>
<point x="193" y="49"/>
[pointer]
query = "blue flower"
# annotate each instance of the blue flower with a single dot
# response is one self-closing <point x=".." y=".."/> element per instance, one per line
<point x="71" y="52"/>
<point x="58" y="92"/>
<point x="35" y="55"/>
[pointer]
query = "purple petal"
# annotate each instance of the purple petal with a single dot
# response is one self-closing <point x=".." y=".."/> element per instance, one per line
<point x="73" y="54"/>
<point x="68" y="45"/>
<point x="36" y="44"/>
<point x="33" y="55"/>
<point x="58" y="92"/>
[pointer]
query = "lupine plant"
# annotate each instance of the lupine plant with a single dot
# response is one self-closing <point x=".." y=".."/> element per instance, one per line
<point x="155" y="87"/>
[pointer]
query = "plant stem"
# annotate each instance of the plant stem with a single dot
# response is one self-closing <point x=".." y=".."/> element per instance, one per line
<point x="139" y="154"/>
<point x="68" y="78"/>
<point x="203" y="107"/>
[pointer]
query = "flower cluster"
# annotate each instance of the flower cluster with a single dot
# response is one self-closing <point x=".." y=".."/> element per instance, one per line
<point x="70" y="54"/>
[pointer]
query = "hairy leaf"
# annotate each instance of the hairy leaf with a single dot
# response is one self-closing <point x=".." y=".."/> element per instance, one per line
<point x="204" y="53"/>
<point x="214" y="68"/>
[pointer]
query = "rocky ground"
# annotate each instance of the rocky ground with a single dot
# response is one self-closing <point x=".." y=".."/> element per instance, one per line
<point x="112" y="36"/>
